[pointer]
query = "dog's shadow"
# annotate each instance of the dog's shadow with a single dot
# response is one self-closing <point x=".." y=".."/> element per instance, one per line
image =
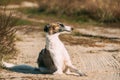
<point x="25" y="69"/>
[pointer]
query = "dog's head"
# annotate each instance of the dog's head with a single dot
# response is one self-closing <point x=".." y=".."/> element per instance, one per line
<point x="56" y="27"/>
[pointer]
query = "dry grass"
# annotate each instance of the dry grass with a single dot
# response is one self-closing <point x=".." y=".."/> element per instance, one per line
<point x="7" y="34"/>
<point x="100" y="10"/>
<point x="2" y="2"/>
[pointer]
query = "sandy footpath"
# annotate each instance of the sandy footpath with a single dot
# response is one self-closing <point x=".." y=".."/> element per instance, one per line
<point x="97" y="62"/>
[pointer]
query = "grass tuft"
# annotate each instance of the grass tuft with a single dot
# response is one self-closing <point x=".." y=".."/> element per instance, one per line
<point x="7" y="34"/>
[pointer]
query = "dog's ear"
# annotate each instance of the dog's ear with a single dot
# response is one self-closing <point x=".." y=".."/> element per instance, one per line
<point x="61" y="24"/>
<point x="46" y="28"/>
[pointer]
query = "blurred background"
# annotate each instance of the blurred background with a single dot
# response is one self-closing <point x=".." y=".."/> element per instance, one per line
<point x="106" y="11"/>
<point x="101" y="11"/>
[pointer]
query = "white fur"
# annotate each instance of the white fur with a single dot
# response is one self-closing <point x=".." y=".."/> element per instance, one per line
<point x="4" y="64"/>
<point x="59" y="54"/>
<point x="68" y="28"/>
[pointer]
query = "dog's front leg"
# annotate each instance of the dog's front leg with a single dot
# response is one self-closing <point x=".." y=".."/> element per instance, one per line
<point x="74" y="69"/>
<point x="59" y="64"/>
<point x="68" y="72"/>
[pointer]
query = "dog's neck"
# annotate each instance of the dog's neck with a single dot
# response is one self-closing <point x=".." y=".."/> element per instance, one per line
<point x="52" y="40"/>
<point x="53" y="36"/>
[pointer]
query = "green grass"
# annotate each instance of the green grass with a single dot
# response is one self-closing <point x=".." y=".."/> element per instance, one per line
<point x="80" y="21"/>
<point x="35" y="13"/>
<point x="23" y="22"/>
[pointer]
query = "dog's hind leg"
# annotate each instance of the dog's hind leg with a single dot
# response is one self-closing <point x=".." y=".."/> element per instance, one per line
<point x="45" y="70"/>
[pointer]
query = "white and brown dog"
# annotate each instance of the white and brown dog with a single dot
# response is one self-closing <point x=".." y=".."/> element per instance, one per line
<point x="55" y="58"/>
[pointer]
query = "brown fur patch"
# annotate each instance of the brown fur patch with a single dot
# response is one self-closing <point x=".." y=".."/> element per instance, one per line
<point x="54" y="27"/>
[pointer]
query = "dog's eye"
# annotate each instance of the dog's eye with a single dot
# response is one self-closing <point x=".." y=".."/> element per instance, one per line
<point x="61" y="25"/>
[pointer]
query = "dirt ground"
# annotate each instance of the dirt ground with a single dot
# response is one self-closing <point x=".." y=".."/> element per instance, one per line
<point x="98" y="62"/>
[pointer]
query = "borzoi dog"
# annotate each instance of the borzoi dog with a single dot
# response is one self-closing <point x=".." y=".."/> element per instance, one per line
<point x="54" y="58"/>
<point x="58" y="58"/>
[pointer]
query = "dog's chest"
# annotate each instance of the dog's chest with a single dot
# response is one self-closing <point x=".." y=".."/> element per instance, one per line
<point x="54" y="44"/>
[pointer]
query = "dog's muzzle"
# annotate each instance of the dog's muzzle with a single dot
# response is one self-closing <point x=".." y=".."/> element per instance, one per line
<point x="68" y="28"/>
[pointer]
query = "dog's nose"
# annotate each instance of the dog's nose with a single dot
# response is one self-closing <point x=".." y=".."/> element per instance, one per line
<point x="72" y="29"/>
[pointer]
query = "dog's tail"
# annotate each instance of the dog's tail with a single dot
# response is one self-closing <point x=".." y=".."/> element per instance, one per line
<point x="22" y="68"/>
<point x="6" y="65"/>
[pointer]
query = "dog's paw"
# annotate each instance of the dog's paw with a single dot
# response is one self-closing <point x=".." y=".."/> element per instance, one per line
<point x="82" y="74"/>
<point x="58" y="72"/>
